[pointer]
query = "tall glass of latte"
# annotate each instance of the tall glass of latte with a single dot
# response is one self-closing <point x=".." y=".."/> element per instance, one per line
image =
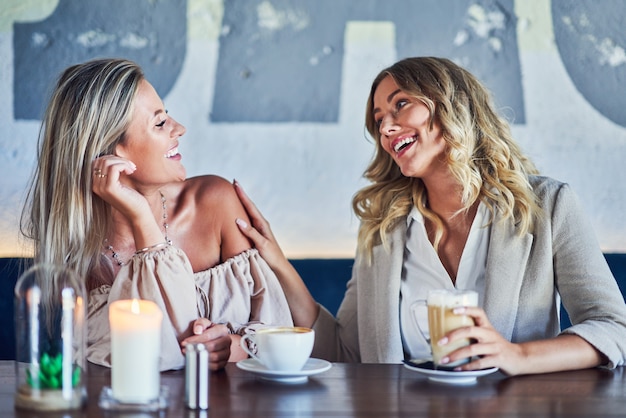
<point x="442" y="320"/>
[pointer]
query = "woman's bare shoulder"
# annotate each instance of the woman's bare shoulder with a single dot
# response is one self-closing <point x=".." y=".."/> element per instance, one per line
<point x="210" y="191"/>
<point x="205" y="181"/>
<point x="204" y="217"/>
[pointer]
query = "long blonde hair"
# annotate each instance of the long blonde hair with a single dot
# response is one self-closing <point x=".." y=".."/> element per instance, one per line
<point x="480" y="152"/>
<point x="88" y="113"/>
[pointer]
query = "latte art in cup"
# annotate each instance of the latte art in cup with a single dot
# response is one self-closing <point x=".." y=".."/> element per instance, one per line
<point x="280" y="348"/>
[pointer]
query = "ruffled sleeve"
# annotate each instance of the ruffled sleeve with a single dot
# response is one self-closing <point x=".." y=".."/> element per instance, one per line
<point x="164" y="277"/>
<point x="243" y="291"/>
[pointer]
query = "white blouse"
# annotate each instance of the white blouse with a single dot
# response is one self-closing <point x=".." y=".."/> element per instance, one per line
<point x="422" y="271"/>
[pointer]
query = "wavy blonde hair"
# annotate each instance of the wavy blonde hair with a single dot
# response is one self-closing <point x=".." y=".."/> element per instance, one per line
<point x="480" y="152"/>
<point x="87" y="116"/>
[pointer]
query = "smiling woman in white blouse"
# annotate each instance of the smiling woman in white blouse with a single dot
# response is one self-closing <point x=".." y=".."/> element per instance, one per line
<point x="454" y="203"/>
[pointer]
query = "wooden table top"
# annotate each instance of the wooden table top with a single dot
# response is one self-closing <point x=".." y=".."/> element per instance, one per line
<point x="368" y="390"/>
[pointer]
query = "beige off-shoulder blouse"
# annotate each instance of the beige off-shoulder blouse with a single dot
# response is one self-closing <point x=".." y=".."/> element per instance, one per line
<point x="239" y="292"/>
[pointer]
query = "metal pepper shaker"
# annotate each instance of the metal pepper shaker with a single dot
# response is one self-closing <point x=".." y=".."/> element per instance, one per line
<point x="196" y="376"/>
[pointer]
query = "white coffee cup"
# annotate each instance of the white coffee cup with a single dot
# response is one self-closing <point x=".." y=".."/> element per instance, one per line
<point x="280" y="348"/>
<point x="442" y="320"/>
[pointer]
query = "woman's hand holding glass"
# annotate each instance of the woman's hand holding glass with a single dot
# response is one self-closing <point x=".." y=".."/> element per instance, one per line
<point x="489" y="348"/>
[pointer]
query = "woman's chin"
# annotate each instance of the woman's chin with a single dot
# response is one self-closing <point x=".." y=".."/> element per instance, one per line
<point x="181" y="175"/>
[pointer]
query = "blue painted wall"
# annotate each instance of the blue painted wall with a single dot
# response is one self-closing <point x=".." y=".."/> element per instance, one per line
<point x="272" y="91"/>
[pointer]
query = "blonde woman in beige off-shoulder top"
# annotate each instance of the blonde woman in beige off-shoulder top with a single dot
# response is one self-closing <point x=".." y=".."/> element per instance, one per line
<point x="110" y="199"/>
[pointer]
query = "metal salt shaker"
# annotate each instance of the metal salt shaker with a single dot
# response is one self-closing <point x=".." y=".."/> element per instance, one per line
<point x="196" y="376"/>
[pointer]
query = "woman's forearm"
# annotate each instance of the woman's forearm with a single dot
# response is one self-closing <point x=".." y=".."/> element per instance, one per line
<point x="304" y="309"/>
<point x="565" y="352"/>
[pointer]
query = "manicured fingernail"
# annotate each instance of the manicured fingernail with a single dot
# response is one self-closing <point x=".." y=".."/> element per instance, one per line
<point x="459" y="310"/>
<point x="241" y="223"/>
<point x="197" y="329"/>
<point x="444" y="360"/>
<point x="443" y="341"/>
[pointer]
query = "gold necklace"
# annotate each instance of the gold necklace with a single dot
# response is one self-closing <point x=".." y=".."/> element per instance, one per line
<point x="116" y="257"/>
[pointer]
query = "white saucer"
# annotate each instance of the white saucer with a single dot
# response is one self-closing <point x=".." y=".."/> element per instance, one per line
<point x="425" y="367"/>
<point x="311" y="367"/>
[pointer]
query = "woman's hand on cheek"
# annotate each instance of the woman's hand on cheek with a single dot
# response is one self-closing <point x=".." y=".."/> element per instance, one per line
<point x="215" y="337"/>
<point x="108" y="182"/>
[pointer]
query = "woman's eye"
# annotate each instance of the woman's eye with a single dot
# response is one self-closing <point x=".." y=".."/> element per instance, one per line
<point x="401" y="103"/>
<point x="161" y="124"/>
<point x="378" y="122"/>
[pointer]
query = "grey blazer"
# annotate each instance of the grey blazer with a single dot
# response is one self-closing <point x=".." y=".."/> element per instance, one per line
<point x="526" y="278"/>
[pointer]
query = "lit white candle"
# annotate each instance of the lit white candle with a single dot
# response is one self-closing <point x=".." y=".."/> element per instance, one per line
<point x="67" y="338"/>
<point x="34" y="299"/>
<point x="135" y="346"/>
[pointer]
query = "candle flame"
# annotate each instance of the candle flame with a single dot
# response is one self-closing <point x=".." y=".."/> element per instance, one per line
<point x="134" y="306"/>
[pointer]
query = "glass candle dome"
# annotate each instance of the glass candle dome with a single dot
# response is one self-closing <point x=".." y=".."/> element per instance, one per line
<point x="50" y="327"/>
